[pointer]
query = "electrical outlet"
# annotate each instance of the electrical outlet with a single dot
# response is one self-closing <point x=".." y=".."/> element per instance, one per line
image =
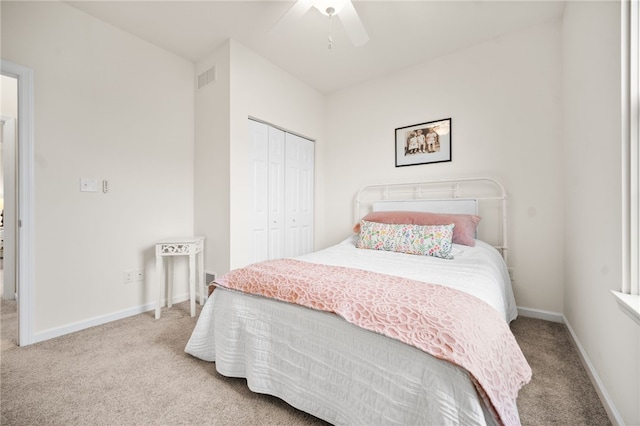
<point x="138" y="275"/>
<point x="128" y="276"/>
<point x="512" y="274"/>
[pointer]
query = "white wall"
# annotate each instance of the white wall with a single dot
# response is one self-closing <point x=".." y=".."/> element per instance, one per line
<point x="261" y="90"/>
<point x="212" y="161"/>
<point x="247" y="86"/>
<point x="8" y="96"/>
<point x="592" y="184"/>
<point x="504" y="98"/>
<point x="107" y="106"/>
<point x="8" y="108"/>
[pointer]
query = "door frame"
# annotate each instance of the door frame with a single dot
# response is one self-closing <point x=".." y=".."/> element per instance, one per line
<point x="25" y="195"/>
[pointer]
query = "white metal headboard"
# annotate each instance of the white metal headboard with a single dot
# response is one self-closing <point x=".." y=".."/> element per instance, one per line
<point x="464" y="195"/>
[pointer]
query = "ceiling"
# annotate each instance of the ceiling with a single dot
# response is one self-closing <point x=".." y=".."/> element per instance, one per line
<point x="402" y="33"/>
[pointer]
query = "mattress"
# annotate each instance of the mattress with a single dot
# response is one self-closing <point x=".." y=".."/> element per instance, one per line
<point x="323" y="365"/>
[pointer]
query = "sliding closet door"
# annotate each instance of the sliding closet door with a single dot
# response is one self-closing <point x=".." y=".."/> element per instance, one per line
<point x="281" y="193"/>
<point x="299" y="187"/>
<point x="276" y="220"/>
<point x="259" y="190"/>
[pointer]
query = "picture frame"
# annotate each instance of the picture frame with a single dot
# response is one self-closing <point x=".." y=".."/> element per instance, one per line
<point x="423" y="143"/>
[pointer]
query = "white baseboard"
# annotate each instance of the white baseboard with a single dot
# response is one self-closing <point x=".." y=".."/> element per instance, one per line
<point x="540" y="314"/>
<point x="103" y="319"/>
<point x="612" y="412"/>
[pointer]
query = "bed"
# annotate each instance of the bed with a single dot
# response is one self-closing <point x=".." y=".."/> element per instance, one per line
<point x="343" y="367"/>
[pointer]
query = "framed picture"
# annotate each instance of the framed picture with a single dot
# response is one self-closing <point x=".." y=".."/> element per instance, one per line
<point x="424" y="143"/>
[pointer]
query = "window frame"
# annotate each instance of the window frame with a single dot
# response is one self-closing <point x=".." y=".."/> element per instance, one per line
<point x="629" y="297"/>
<point x="630" y="151"/>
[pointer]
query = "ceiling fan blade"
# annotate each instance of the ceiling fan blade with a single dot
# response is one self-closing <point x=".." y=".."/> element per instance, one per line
<point x="299" y="8"/>
<point x="353" y="25"/>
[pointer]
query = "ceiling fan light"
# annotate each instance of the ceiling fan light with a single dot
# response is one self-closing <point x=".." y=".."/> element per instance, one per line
<point x="324" y="5"/>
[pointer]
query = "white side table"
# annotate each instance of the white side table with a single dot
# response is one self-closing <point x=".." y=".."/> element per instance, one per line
<point x="181" y="246"/>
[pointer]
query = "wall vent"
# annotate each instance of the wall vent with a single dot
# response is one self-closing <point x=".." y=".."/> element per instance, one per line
<point x="207" y="77"/>
<point x="209" y="277"/>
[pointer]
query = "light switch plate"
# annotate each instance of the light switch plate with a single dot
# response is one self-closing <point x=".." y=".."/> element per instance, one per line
<point x="88" y="185"/>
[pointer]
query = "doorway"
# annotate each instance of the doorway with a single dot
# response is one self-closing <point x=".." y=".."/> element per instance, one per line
<point x="8" y="211"/>
<point x="21" y="188"/>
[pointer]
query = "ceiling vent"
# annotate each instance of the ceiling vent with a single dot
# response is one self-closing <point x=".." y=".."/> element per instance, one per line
<point x="207" y="77"/>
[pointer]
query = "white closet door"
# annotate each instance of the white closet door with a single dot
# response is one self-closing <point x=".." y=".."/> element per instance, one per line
<point x="281" y="191"/>
<point x="259" y="190"/>
<point x="276" y="219"/>
<point x="299" y="189"/>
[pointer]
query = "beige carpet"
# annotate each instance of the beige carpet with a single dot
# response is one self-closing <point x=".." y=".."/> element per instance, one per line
<point x="135" y="372"/>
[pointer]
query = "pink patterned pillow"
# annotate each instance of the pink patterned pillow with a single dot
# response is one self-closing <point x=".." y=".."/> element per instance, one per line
<point x="463" y="233"/>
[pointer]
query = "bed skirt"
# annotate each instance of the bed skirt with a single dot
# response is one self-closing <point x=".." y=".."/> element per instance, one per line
<point x="320" y="364"/>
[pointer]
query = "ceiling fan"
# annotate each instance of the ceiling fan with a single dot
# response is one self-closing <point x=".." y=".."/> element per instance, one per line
<point x="342" y="8"/>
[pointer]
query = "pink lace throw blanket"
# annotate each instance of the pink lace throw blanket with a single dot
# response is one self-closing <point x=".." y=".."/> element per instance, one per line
<point x="443" y="322"/>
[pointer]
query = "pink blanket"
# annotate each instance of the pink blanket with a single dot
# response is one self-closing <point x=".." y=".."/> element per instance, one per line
<point x="443" y="322"/>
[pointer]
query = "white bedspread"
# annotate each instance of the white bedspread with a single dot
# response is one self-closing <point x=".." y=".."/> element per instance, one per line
<point x="479" y="271"/>
<point x="323" y="365"/>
